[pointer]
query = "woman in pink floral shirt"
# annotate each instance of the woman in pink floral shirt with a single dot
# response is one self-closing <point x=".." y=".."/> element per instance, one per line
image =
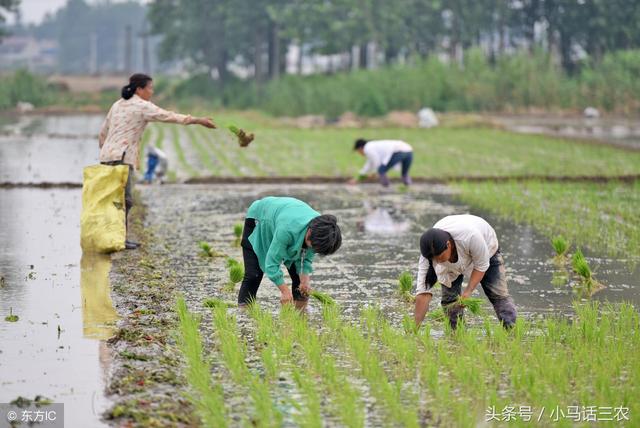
<point x="122" y="129"/>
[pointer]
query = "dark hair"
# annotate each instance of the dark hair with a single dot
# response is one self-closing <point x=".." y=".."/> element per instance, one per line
<point x="136" y="81"/>
<point x="325" y="234"/>
<point x="359" y="144"/>
<point x="433" y="242"/>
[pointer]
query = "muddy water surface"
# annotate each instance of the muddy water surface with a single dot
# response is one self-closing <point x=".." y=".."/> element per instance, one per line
<point x="623" y="132"/>
<point x="62" y="298"/>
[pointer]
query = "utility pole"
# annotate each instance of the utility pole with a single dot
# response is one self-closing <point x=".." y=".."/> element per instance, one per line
<point x="128" y="49"/>
<point x="93" y="53"/>
<point x="144" y="36"/>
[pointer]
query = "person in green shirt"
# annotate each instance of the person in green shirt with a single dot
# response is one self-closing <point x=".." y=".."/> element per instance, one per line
<point x="283" y="230"/>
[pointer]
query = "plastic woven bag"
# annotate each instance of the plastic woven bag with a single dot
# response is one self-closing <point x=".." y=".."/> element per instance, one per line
<point x="102" y="222"/>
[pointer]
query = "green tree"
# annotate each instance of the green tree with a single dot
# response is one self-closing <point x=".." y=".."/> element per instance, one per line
<point x="6" y="6"/>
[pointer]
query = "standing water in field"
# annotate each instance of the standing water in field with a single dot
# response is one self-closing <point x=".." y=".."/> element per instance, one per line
<point x="57" y="347"/>
<point x="381" y="231"/>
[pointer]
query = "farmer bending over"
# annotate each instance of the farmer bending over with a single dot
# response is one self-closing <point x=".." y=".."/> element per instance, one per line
<point x="459" y="245"/>
<point x="382" y="155"/>
<point x="280" y="230"/>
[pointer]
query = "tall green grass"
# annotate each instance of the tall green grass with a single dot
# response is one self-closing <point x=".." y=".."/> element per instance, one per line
<point x="517" y="81"/>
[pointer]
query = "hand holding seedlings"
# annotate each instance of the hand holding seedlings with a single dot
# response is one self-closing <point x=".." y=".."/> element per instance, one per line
<point x="305" y="284"/>
<point x="285" y="294"/>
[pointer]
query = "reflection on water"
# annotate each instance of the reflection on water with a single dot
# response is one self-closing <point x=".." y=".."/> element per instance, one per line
<point x="618" y="131"/>
<point x="98" y="314"/>
<point x="49" y="149"/>
<point x="52" y="350"/>
<point x="366" y="268"/>
<point x="379" y="221"/>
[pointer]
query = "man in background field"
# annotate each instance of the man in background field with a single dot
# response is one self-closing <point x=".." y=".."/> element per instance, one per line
<point x="382" y="155"/>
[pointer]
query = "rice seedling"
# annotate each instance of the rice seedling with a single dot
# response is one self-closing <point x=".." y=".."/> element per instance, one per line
<point x="244" y="139"/>
<point x="236" y="274"/>
<point x="207" y="397"/>
<point x="214" y="302"/>
<point x="405" y="285"/>
<point x="560" y="245"/>
<point x="311" y="354"/>
<point x="237" y="231"/>
<point x="606" y="212"/>
<point x="371" y="367"/>
<point x="587" y="281"/>
<point x="323" y="298"/>
<point x="310" y="411"/>
<point x="206" y="250"/>
<point x="437" y="314"/>
<point x="409" y="325"/>
<point x="11" y="317"/>
<point x="234" y="352"/>
<point x="474" y="304"/>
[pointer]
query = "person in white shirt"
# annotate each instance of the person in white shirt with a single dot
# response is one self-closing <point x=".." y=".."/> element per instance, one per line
<point x="382" y="155"/>
<point x="460" y="245"/>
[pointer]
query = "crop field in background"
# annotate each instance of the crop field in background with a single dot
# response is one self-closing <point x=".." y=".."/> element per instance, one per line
<point x="444" y="152"/>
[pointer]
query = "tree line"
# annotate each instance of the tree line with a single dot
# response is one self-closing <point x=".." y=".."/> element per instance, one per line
<point x="212" y="34"/>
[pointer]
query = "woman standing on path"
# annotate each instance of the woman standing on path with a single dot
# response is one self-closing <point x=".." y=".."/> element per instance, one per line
<point x="124" y="125"/>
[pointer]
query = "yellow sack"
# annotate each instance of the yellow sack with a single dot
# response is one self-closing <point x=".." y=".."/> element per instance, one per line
<point x="102" y="222"/>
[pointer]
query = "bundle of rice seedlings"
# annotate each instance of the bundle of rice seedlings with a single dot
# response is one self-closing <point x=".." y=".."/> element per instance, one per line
<point x="232" y="262"/>
<point x="323" y="298"/>
<point x="405" y="285"/>
<point x="214" y="302"/>
<point x="582" y="268"/>
<point x="11" y="317"/>
<point x="244" y="139"/>
<point x="405" y="282"/>
<point x="580" y="264"/>
<point x="207" y="250"/>
<point x="237" y="231"/>
<point x="560" y="245"/>
<point x="472" y="303"/>
<point x="236" y="273"/>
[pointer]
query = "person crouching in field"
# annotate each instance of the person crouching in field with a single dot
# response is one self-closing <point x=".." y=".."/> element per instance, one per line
<point x="455" y="246"/>
<point x="382" y="155"/>
<point x="283" y="230"/>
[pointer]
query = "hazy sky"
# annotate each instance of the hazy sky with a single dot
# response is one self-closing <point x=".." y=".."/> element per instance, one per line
<point x="34" y="10"/>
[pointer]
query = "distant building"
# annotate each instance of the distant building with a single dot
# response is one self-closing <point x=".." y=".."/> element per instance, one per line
<point x="28" y="52"/>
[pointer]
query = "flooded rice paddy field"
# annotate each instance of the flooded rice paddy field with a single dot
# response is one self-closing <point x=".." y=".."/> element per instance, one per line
<point x="57" y="347"/>
<point x="380" y="236"/>
<point x="381" y="231"/>
<point x="68" y="307"/>
<point x="623" y="132"/>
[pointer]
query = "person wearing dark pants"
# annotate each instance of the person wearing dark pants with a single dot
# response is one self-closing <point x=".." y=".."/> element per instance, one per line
<point x="382" y="155"/>
<point x="283" y="230"/>
<point x="456" y="246"/>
